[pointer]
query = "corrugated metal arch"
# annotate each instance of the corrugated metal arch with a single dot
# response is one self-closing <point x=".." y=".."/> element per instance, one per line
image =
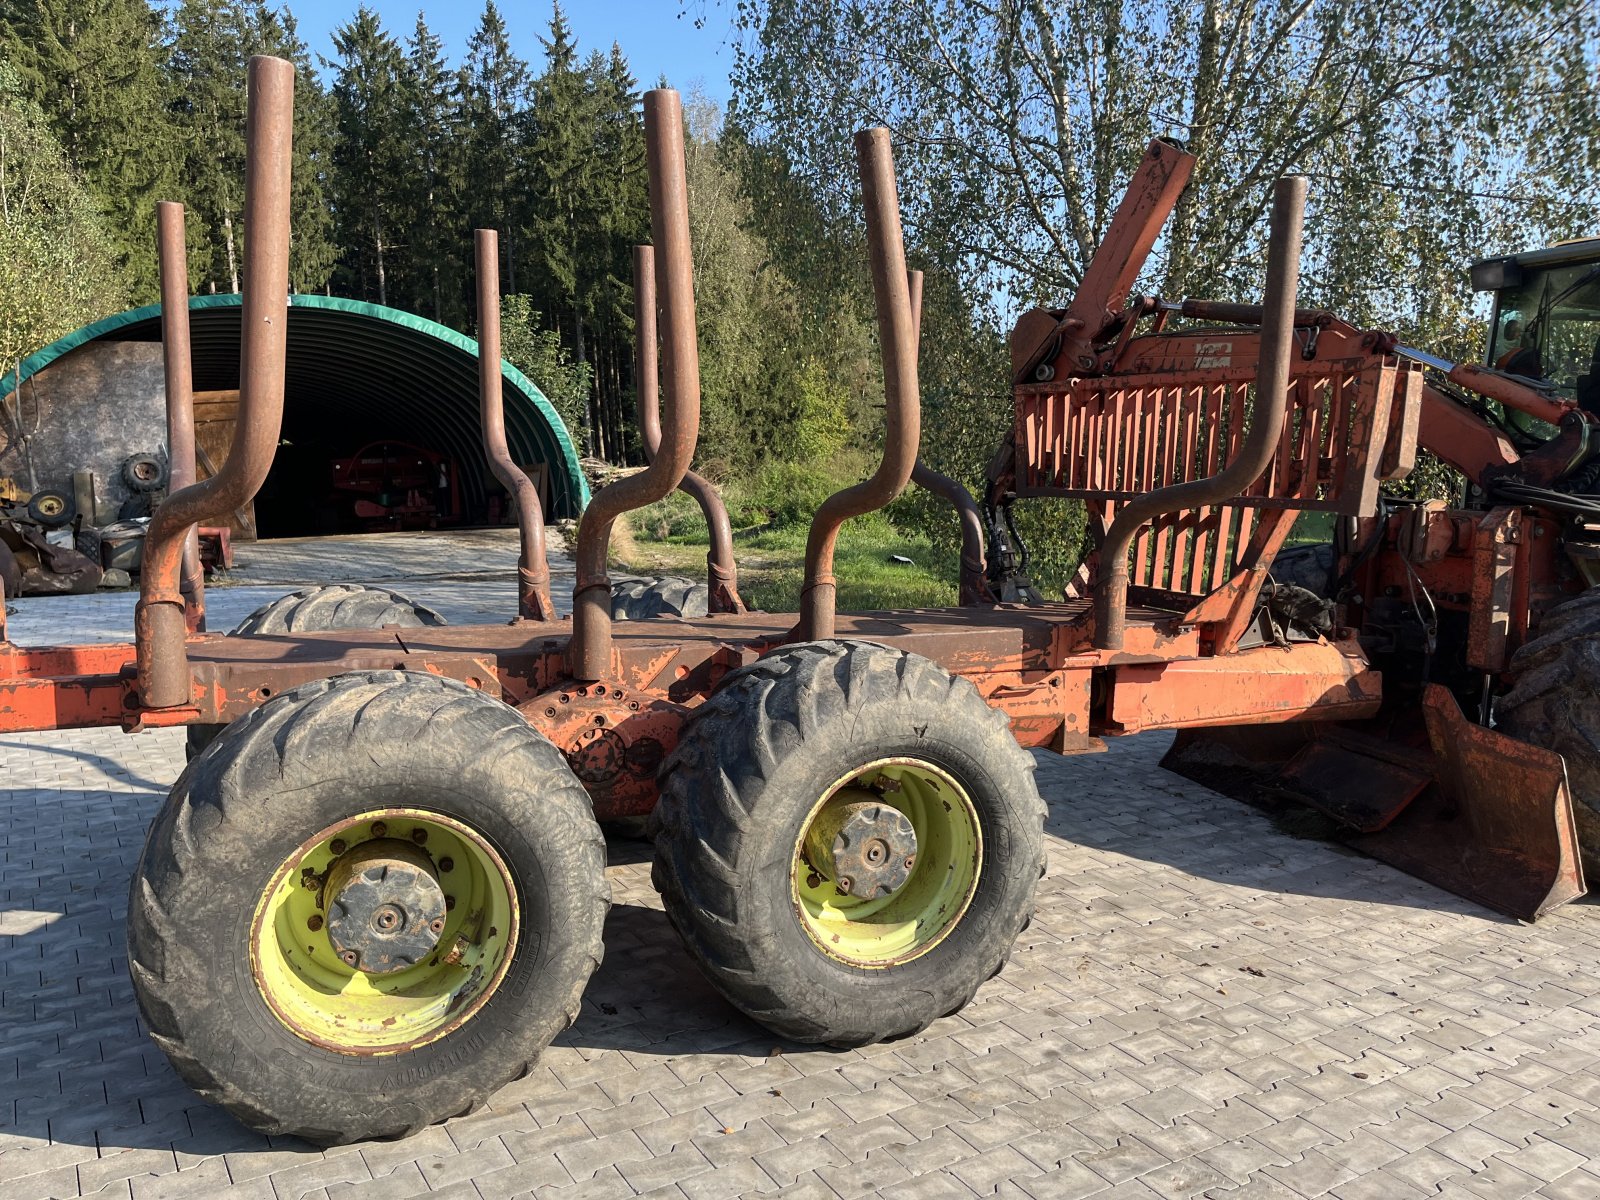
<point x="366" y="364"/>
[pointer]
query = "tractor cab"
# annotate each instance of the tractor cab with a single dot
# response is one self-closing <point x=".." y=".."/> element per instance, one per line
<point x="1546" y="323"/>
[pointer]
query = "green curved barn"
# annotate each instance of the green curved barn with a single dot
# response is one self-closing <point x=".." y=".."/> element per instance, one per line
<point x="358" y="374"/>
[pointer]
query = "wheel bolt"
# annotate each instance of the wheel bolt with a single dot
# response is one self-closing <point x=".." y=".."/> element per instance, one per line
<point x="379" y="829"/>
<point x="314" y="922"/>
<point x="437" y="925"/>
<point x="337" y="845"/>
<point x="419" y="836"/>
<point x="449" y="903"/>
<point x="447" y="864"/>
<point x="348" y="958"/>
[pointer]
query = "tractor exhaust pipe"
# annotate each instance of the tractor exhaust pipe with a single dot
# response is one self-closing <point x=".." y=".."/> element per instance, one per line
<point x="722" y="574"/>
<point x="178" y="367"/>
<point x="163" y="663"/>
<point x="533" y="568"/>
<point x="897" y="339"/>
<point x="1266" y="425"/>
<point x="589" y="650"/>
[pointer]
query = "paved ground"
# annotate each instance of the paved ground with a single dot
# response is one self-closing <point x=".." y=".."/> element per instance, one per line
<point x="1203" y="1006"/>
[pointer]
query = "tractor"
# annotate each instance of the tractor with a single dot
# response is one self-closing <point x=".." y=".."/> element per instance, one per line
<point x="377" y="891"/>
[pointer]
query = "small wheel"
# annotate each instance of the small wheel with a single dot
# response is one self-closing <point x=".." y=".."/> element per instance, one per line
<point x="848" y="840"/>
<point x="315" y="610"/>
<point x="52" y="509"/>
<point x="638" y="599"/>
<point x="372" y="902"/>
<point x="144" y="473"/>
<point x="1555" y="703"/>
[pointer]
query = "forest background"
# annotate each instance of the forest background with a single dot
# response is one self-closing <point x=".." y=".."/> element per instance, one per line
<point x="1434" y="132"/>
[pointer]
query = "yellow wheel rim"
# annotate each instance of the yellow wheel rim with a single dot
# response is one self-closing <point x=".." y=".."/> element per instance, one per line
<point x="330" y="1003"/>
<point x="51" y="506"/>
<point x="916" y="916"/>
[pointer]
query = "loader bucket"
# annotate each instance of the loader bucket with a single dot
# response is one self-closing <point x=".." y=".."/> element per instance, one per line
<point x="1477" y="813"/>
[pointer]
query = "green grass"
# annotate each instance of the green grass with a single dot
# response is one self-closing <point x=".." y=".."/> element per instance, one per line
<point x="771" y="516"/>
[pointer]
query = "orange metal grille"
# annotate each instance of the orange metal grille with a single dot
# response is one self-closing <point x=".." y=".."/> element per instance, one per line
<point x="1113" y="439"/>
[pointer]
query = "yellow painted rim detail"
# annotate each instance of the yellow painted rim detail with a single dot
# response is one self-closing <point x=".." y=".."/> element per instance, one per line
<point x="335" y="1006"/>
<point x="884" y="931"/>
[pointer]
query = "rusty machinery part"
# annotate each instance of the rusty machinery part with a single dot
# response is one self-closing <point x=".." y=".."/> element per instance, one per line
<point x="386" y="905"/>
<point x="897" y="341"/>
<point x="144" y="473"/>
<point x="319" y="610"/>
<point x="722" y="572"/>
<point x="51" y="509"/>
<point x="781" y="745"/>
<point x="639" y="599"/>
<point x="614" y="740"/>
<point x="238" y="967"/>
<point x="972" y="587"/>
<point x="1260" y="444"/>
<point x="177" y="363"/>
<point x="860" y="842"/>
<point x="1555" y="703"/>
<point x="533" y="566"/>
<point x="589" y="650"/>
<point x="160" y="620"/>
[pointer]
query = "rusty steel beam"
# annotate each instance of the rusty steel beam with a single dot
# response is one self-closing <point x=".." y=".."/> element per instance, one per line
<point x="588" y="653"/>
<point x="722" y="573"/>
<point x="533" y="567"/>
<point x="1266" y="424"/>
<point x="163" y="664"/>
<point x="897" y="339"/>
<point x="172" y="252"/>
<point x="972" y="588"/>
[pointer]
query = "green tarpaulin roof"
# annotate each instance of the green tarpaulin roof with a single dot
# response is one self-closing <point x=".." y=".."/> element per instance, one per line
<point x="363" y="367"/>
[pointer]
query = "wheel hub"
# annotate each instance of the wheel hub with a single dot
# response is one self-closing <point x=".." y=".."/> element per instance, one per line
<point x="867" y="847"/>
<point x="385" y="907"/>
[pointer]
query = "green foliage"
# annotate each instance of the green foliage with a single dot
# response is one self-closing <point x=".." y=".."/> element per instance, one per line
<point x="539" y="354"/>
<point x="58" y="265"/>
<point x="95" y="68"/>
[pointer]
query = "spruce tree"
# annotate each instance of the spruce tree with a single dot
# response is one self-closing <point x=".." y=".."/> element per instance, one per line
<point x="371" y="155"/>
<point x="94" y="67"/>
<point x="494" y="94"/>
<point x="428" y="192"/>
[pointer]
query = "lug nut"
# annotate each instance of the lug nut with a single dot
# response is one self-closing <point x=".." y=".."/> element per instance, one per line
<point x="337" y="845"/>
<point x="419" y="836"/>
<point x="447" y="863"/>
<point x="314" y="922"/>
<point x="379" y="829"/>
<point x="449" y="903"/>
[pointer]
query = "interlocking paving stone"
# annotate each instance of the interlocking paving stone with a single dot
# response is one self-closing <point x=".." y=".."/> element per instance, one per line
<point x="1398" y="1042"/>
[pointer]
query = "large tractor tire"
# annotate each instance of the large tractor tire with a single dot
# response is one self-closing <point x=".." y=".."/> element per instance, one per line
<point x="639" y="599"/>
<point x="336" y="606"/>
<point x="368" y="905"/>
<point x="318" y="610"/>
<point x="1555" y="703"/>
<point x="848" y="841"/>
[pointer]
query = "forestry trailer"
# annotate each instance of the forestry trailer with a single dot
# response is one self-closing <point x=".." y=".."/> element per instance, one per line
<point x="377" y="891"/>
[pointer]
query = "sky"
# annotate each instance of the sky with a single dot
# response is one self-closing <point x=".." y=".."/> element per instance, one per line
<point x="655" y="38"/>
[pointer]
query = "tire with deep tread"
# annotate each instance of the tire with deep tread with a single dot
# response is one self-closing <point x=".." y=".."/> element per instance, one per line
<point x="1555" y="703"/>
<point x="300" y="763"/>
<point x="640" y="599"/>
<point x="318" y="610"/>
<point x="749" y="765"/>
<point x="1311" y="567"/>
<point x="336" y="606"/>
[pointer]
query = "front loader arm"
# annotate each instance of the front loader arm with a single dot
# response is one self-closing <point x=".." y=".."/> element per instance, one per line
<point x="1152" y="194"/>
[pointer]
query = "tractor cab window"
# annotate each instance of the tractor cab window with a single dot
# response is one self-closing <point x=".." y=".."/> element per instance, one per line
<point x="1549" y="329"/>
